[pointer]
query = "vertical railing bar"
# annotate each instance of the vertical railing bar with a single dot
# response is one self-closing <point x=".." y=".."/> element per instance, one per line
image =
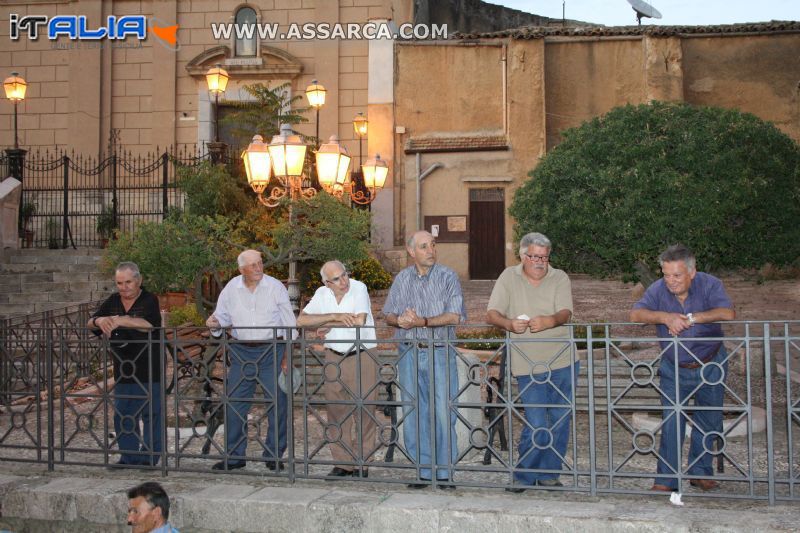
<point x="50" y="393"/>
<point x="289" y="356"/>
<point x="748" y="375"/>
<point x="768" y="400"/>
<point x="164" y="184"/>
<point x="65" y="193"/>
<point x="789" y="440"/>
<point x="592" y="434"/>
<point x="609" y="418"/>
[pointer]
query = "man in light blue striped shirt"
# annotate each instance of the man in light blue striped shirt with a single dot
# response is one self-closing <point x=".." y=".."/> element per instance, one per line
<point x="424" y="304"/>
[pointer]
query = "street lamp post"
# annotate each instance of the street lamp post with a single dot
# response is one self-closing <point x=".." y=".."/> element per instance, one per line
<point x="283" y="159"/>
<point x="217" y="81"/>
<point x="15" y="88"/>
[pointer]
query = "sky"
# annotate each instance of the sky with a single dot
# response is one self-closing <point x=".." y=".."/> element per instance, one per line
<point x="674" y="12"/>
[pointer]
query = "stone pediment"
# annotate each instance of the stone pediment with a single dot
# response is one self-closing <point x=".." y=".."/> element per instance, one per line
<point x="270" y="63"/>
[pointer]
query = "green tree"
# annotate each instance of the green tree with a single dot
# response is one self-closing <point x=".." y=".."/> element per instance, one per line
<point x="623" y="186"/>
<point x="264" y="114"/>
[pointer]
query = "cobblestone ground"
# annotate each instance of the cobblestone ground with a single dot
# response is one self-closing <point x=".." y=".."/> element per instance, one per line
<point x="622" y="454"/>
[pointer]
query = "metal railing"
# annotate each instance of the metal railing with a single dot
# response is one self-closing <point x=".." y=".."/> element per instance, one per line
<point x="58" y="407"/>
<point x="71" y="191"/>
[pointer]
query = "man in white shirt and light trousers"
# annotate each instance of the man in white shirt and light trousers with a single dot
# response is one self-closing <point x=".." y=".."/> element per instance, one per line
<point x="350" y="372"/>
<point x="257" y="307"/>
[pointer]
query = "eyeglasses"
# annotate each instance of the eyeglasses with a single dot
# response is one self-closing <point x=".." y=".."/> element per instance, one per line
<point x="343" y="275"/>
<point x="537" y="258"/>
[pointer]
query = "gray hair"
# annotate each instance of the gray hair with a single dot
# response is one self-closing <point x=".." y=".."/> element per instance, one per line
<point x="331" y="262"/>
<point x="130" y="266"/>
<point x="411" y="241"/>
<point x="535" y="239"/>
<point x="241" y="259"/>
<point x="678" y="252"/>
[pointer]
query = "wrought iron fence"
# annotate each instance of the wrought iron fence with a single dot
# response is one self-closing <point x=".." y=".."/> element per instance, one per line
<point x="59" y="398"/>
<point x="71" y="191"/>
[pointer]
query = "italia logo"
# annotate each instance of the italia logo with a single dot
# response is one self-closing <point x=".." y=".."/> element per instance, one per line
<point x="77" y="28"/>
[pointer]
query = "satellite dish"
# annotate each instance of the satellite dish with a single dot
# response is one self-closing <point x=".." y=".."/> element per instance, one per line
<point x="643" y="9"/>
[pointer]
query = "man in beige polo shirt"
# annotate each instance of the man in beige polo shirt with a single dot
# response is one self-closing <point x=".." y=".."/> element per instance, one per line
<point x="533" y="301"/>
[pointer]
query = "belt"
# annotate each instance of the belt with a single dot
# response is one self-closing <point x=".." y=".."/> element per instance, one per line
<point x="254" y="344"/>
<point x="343" y="354"/>
<point x="693" y="364"/>
<point x="428" y="345"/>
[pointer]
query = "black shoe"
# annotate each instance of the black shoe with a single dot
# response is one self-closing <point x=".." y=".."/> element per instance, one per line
<point x="119" y="465"/>
<point x="421" y="484"/>
<point x="446" y="487"/>
<point x="274" y="466"/>
<point x="364" y="473"/>
<point x="340" y="472"/>
<point x="231" y="466"/>
<point x="515" y="490"/>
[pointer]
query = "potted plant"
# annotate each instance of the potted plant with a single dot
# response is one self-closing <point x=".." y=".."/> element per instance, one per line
<point x="53" y="233"/>
<point x="106" y="224"/>
<point x="26" y="213"/>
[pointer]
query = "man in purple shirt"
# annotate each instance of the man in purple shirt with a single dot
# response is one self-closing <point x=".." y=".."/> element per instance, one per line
<point x="685" y="305"/>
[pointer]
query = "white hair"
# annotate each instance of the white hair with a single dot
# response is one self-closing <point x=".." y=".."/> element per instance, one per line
<point x="242" y="259"/>
<point x="331" y="262"/>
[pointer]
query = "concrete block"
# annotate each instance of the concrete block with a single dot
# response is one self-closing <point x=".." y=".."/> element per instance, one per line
<point x="342" y="511"/>
<point x="54" y="500"/>
<point x="48" y="287"/>
<point x="92" y="267"/>
<point x="80" y="286"/>
<point x="104" y="502"/>
<point x="36" y="278"/>
<point x="87" y="259"/>
<point x="29" y="298"/>
<point x="282" y="508"/>
<point x="403" y="512"/>
<point x="71" y="277"/>
<point x="215" y="507"/>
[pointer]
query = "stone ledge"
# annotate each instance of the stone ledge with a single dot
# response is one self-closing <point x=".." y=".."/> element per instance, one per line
<point x="207" y="503"/>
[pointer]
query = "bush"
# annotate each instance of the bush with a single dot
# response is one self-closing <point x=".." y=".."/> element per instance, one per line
<point x="172" y="253"/>
<point x="371" y="273"/>
<point x="185" y="314"/>
<point x="622" y="187"/>
<point x="211" y="190"/>
<point x="483" y="333"/>
<point x="368" y="271"/>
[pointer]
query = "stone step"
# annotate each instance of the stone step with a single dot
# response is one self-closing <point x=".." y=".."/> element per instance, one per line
<point x="38" y="280"/>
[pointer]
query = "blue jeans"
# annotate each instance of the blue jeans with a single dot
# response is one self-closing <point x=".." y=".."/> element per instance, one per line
<point x="674" y="422"/>
<point x="250" y="365"/>
<point x="131" y="406"/>
<point x="416" y="381"/>
<point x="545" y="435"/>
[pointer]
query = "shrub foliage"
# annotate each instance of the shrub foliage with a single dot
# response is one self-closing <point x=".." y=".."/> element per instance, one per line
<point x="623" y="186"/>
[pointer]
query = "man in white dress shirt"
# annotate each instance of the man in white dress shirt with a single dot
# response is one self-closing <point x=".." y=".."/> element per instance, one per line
<point x="350" y="372"/>
<point x="257" y="307"/>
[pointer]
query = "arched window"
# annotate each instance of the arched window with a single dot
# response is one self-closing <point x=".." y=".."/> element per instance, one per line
<point x="246" y="46"/>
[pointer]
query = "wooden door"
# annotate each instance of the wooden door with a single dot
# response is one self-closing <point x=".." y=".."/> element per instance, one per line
<point x="487" y="257"/>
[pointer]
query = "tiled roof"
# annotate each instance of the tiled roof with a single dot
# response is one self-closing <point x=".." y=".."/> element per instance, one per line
<point x="540" y="32"/>
<point x="471" y="143"/>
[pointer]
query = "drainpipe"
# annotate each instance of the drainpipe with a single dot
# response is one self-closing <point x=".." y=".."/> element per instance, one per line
<point x="420" y="177"/>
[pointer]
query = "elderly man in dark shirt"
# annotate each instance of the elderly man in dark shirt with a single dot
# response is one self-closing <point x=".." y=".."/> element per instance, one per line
<point x="684" y="305"/>
<point x="126" y="319"/>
